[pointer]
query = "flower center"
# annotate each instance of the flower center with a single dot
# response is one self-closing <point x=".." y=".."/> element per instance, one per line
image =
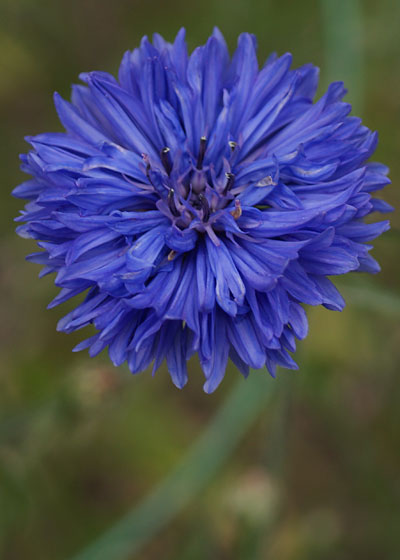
<point x="195" y="195"/>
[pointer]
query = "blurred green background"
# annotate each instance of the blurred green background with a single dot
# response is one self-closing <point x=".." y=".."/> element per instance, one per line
<point x="317" y="476"/>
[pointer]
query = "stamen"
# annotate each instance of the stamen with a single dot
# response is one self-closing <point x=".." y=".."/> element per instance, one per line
<point x="237" y="212"/>
<point x="232" y="145"/>
<point x="146" y="159"/>
<point x="148" y="169"/>
<point x="202" y="151"/>
<point x="266" y="182"/>
<point x="205" y="207"/>
<point x="171" y="255"/>
<point x="166" y="160"/>
<point x="229" y="183"/>
<point x="171" y="203"/>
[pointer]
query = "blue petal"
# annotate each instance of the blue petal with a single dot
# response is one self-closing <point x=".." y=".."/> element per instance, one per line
<point x="176" y="358"/>
<point x="87" y="242"/>
<point x="243" y="337"/>
<point x="75" y="124"/>
<point x="363" y="232"/>
<point x="183" y="304"/>
<point x="141" y="257"/>
<point x="331" y="298"/>
<point x="205" y="280"/>
<point x="243" y="72"/>
<point x="298" y="320"/>
<point x="214" y="367"/>
<point x="228" y="280"/>
<point x="181" y="240"/>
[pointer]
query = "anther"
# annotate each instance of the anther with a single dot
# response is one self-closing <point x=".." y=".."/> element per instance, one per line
<point x="237" y="212"/>
<point x="229" y="183"/>
<point x="171" y="255"/>
<point x="166" y="160"/>
<point x="205" y="207"/>
<point x="266" y="182"/>
<point x="232" y="145"/>
<point x="148" y="167"/>
<point x="171" y="204"/>
<point x="202" y="151"/>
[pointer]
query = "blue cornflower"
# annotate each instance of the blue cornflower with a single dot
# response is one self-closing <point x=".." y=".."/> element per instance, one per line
<point x="200" y="201"/>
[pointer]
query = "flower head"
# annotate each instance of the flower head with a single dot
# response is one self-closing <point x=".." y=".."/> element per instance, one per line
<point x="199" y="201"/>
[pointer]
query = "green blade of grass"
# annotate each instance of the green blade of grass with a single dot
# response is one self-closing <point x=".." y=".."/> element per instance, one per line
<point x="344" y="53"/>
<point x="208" y="454"/>
<point x="372" y="298"/>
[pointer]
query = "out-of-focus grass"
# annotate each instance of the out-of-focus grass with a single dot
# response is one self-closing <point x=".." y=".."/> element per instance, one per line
<point x="206" y="456"/>
<point x="80" y="441"/>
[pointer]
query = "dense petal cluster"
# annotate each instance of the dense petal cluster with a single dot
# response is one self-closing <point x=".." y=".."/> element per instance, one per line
<point x="200" y="201"/>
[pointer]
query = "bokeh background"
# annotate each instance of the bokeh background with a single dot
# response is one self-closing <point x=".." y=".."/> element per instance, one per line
<point x="317" y="475"/>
